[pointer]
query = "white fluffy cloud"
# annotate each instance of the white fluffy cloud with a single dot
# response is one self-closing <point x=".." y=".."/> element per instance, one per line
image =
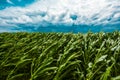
<point x="65" y="12"/>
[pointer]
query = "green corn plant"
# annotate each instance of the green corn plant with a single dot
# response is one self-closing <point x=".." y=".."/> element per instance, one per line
<point x="60" y="56"/>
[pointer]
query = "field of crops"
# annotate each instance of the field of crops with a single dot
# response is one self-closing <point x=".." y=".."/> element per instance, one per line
<point x="60" y="56"/>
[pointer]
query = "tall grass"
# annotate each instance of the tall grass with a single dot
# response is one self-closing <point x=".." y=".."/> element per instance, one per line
<point x="60" y="56"/>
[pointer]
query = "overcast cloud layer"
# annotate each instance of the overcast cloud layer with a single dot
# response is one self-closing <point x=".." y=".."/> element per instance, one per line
<point x="43" y="13"/>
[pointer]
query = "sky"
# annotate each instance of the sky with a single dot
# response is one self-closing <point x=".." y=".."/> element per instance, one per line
<point x="59" y="15"/>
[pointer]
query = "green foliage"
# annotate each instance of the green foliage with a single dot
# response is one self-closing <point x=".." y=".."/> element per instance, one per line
<point x="60" y="56"/>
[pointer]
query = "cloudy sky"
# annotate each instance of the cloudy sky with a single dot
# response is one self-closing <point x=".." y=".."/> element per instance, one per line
<point x="59" y="15"/>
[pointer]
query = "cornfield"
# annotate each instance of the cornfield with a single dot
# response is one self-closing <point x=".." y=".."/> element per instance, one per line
<point x="60" y="56"/>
